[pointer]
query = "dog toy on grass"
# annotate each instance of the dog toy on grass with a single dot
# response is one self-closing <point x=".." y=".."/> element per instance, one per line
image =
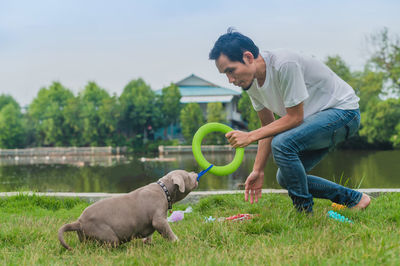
<point x="178" y="215"/>
<point x="338" y="207"/>
<point x="338" y="217"/>
<point x="238" y="217"/>
<point x="209" y="219"/>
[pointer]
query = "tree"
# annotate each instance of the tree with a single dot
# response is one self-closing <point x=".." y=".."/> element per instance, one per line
<point x="6" y="99"/>
<point x="216" y="113"/>
<point x="109" y="115"/>
<point x="395" y="138"/>
<point x="386" y="59"/>
<point x="12" y="129"/>
<point x="73" y="121"/>
<point x="247" y="112"/>
<point x="380" y="121"/>
<point x="368" y="86"/>
<point x="92" y="98"/>
<point x="170" y="102"/>
<point x="47" y="115"/>
<point x="191" y="119"/>
<point x="139" y="111"/>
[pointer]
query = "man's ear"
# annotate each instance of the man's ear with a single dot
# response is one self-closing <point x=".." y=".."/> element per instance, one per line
<point x="178" y="180"/>
<point x="248" y="57"/>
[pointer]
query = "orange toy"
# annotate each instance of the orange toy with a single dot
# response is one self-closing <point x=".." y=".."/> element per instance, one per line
<point x="338" y="206"/>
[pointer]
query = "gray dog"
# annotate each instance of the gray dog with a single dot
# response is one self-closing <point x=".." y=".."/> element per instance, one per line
<point x="138" y="214"/>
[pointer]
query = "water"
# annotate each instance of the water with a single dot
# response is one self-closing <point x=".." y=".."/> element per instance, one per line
<point x="369" y="169"/>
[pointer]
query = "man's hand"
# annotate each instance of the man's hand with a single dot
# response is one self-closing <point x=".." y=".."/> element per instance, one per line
<point x="238" y="139"/>
<point x="253" y="186"/>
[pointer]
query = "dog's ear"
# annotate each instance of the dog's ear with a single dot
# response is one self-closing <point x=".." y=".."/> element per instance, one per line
<point x="178" y="180"/>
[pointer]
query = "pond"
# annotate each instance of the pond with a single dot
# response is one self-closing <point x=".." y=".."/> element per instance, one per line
<point x="364" y="169"/>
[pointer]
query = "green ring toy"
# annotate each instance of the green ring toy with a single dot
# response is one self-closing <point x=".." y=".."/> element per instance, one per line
<point x="198" y="155"/>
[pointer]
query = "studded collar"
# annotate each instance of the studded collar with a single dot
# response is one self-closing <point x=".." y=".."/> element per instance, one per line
<point x="162" y="185"/>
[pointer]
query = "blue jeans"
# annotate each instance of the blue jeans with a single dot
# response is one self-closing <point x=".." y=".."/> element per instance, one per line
<point x="298" y="150"/>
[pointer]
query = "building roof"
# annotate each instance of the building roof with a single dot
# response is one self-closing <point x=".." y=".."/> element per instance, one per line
<point x="196" y="89"/>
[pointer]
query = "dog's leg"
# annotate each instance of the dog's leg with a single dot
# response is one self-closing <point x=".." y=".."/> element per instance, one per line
<point x="81" y="236"/>
<point x="162" y="226"/>
<point x="102" y="233"/>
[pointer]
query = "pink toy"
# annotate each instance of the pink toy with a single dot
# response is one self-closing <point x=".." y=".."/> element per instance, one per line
<point x="178" y="215"/>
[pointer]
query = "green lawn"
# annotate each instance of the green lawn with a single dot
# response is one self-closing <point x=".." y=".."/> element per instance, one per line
<point x="279" y="235"/>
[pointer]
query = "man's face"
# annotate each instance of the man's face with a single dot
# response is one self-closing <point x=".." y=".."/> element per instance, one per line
<point x="241" y="75"/>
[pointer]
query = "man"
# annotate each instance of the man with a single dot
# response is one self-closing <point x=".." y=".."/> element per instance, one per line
<point x="317" y="110"/>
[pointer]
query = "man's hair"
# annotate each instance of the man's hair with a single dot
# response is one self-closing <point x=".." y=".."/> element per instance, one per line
<point x="233" y="44"/>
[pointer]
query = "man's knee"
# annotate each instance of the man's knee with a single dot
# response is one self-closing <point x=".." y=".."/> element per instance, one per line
<point x="277" y="144"/>
<point x="284" y="145"/>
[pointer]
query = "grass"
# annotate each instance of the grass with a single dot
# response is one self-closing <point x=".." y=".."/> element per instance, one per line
<point x="279" y="235"/>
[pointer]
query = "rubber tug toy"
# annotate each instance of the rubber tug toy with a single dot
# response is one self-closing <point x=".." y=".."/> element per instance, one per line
<point x="203" y="163"/>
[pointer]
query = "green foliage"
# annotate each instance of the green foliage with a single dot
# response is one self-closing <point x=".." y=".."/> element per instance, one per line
<point x="216" y="113"/>
<point x="368" y="86"/>
<point x="247" y="112"/>
<point x="109" y="113"/>
<point x="12" y="127"/>
<point x="191" y="119"/>
<point x="139" y="110"/>
<point x="395" y="138"/>
<point x="47" y="115"/>
<point x="380" y="121"/>
<point x="170" y="104"/>
<point x="7" y="99"/>
<point x="97" y="126"/>
<point x="73" y="120"/>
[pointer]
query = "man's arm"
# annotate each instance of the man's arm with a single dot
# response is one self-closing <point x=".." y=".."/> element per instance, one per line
<point x="264" y="145"/>
<point x="293" y="118"/>
<point x="255" y="180"/>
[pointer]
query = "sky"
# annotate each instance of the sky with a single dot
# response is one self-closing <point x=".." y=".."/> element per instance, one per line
<point x="114" y="42"/>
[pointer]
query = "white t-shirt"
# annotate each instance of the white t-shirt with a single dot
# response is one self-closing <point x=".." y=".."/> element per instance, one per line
<point x="292" y="78"/>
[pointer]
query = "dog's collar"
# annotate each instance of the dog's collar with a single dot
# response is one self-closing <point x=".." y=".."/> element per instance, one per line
<point x="166" y="193"/>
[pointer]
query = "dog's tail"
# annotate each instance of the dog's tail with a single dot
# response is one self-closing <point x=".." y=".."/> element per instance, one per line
<point x="75" y="226"/>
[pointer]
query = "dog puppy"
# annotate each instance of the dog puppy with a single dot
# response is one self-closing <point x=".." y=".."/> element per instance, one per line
<point x="138" y="214"/>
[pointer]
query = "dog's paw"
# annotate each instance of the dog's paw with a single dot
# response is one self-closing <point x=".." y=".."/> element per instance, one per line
<point x="175" y="239"/>
<point x="147" y="240"/>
